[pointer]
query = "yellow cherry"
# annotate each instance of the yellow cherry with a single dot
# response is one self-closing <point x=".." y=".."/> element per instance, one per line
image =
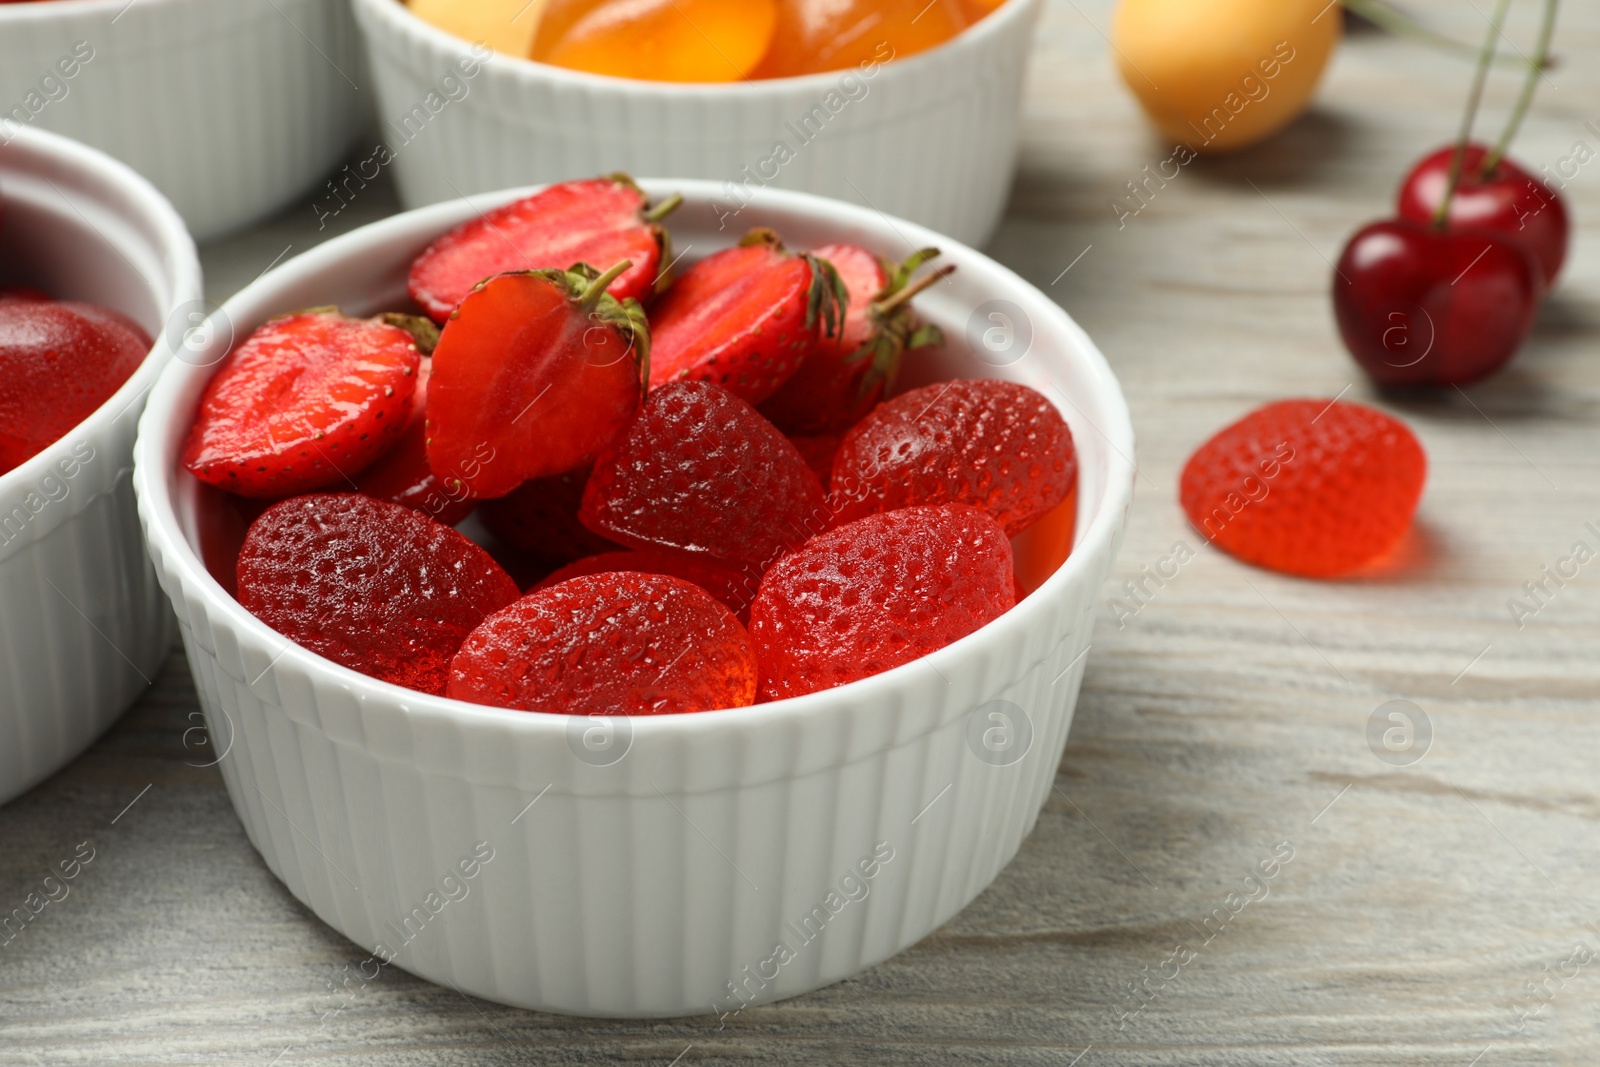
<point x="1224" y="74"/>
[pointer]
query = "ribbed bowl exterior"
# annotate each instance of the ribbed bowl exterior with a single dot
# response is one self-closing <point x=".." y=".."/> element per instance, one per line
<point x="931" y="138"/>
<point x="83" y="624"/>
<point x="659" y="874"/>
<point x="232" y="108"/>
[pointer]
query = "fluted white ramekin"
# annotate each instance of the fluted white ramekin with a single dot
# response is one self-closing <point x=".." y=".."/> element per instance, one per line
<point x="660" y="857"/>
<point x="83" y="625"/>
<point x="233" y="108"/>
<point x="931" y="138"/>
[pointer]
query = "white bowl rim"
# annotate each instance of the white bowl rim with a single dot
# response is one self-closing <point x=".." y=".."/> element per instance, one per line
<point x="62" y="10"/>
<point x="530" y="70"/>
<point x="1097" y="537"/>
<point x="185" y="283"/>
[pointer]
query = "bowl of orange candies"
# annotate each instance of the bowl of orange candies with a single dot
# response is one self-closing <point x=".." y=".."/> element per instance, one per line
<point x="909" y="107"/>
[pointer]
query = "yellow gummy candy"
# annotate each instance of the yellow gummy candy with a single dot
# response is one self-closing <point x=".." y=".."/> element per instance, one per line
<point x="507" y="26"/>
<point x="659" y="40"/>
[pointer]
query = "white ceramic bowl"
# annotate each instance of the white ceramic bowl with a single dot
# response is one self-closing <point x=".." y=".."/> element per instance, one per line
<point x="233" y="108"/>
<point x="661" y="856"/>
<point x="931" y="138"/>
<point x="83" y="625"/>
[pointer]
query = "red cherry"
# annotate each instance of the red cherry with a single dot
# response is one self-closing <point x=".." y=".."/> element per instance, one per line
<point x="1419" y="306"/>
<point x="1508" y="200"/>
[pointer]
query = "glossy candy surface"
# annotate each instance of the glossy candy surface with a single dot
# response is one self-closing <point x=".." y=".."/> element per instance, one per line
<point x="820" y="35"/>
<point x="1306" y="487"/>
<point x="880" y="592"/>
<point x="657" y="40"/>
<point x="731" y="584"/>
<point x="59" y="361"/>
<point x="707" y="41"/>
<point x="503" y="25"/>
<point x="1224" y="74"/>
<point x="609" y="644"/>
<point x="701" y="471"/>
<point x="983" y="442"/>
<point x="373" y="586"/>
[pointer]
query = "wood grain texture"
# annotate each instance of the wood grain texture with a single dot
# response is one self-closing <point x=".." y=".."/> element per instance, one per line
<point x="1226" y="717"/>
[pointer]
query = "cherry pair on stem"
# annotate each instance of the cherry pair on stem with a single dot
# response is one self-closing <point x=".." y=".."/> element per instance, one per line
<point x="1446" y="293"/>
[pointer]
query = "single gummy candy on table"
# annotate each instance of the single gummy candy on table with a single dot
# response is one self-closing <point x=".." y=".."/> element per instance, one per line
<point x="1306" y="487"/>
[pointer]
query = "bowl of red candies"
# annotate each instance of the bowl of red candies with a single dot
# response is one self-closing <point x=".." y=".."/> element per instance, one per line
<point x="718" y="602"/>
<point x="93" y="264"/>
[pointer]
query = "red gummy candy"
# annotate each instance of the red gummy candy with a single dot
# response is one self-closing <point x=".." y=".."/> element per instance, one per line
<point x="990" y="444"/>
<point x="373" y="586"/>
<point x="734" y="586"/>
<point x="701" y="471"/>
<point x="882" y="591"/>
<point x="541" y="519"/>
<point x="59" y="361"/>
<point x="609" y="644"/>
<point x="1306" y="487"/>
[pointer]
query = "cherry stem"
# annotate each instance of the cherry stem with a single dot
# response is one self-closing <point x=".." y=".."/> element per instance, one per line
<point x="1397" y="22"/>
<point x="1541" y="57"/>
<point x="1474" y="97"/>
<point x="597" y="288"/>
<point x="663" y="209"/>
<point x="889" y="303"/>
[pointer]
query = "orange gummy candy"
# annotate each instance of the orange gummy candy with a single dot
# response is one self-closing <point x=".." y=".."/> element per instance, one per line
<point x="657" y="40"/>
<point x="821" y="35"/>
